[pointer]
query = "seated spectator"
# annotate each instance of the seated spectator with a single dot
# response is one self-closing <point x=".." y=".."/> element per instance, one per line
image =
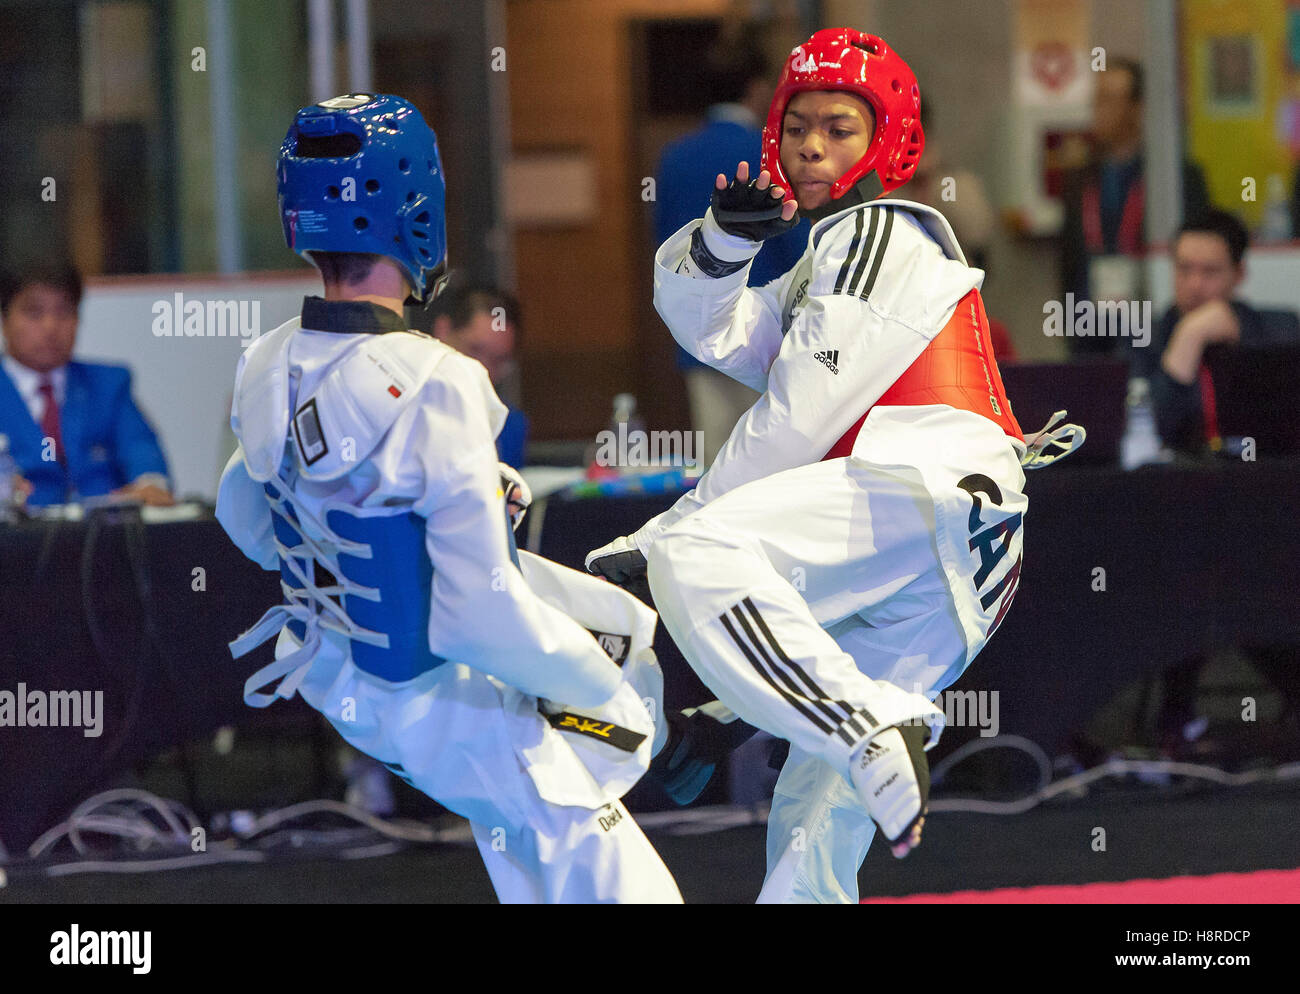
<point x="1208" y="256"/>
<point x="484" y="323"/>
<point x="73" y="429"/>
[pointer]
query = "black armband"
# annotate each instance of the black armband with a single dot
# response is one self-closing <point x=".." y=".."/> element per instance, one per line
<point x="708" y="263"/>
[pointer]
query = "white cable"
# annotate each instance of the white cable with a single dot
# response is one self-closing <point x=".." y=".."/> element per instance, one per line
<point x="156" y="865"/>
<point x="109" y="813"/>
<point x="90" y="810"/>
<point x="1009" y="741"/>
<point x="698" y="821"/>
<point x="1117" y="767"/>
<point x="411" y="831"/>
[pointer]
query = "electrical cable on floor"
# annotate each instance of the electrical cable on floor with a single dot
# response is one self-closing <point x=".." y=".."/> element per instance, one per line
<point x="404" y="830"/>
<point x="133" y="816"/>
<point x="1118" y="767"/>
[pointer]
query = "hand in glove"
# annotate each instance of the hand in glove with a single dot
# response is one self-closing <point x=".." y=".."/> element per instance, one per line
<point x="621" y="563"/>
<point x="699" y="740"/>
<point x="752" y="209"/>
<point x="618" y="562"/>
<point x="517" y="495"/>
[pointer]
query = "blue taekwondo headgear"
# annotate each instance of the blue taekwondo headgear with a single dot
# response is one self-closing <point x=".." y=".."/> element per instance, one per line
<point x="361" y="173"/>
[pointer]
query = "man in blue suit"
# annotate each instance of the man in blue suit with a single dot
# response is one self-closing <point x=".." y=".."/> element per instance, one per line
<point x="741" y="91"/>
<point x="73" y="428"/>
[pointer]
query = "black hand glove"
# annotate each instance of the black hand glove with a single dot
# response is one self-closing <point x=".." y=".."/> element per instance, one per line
<point x="742" y="209"/>
<point x="697" y="743"/>
<point x="622" y="563"/>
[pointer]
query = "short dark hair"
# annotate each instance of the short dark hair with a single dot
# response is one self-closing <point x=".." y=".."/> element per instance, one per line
<point x="344" y="267"/>
<point x="730" y="67"/>
<point x="61" y="275"/>
<point x="1134" y="69"/>
<point x="460" y="304"/>
<point x="1223" y="224"/>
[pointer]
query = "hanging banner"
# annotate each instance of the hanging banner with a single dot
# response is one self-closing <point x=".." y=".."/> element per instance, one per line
<point x="1052" y="53"/>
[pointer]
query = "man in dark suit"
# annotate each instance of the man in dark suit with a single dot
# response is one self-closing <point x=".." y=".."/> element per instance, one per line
<point x="1209" y="266"/>
<point x="73" y="428"/>
<point x="1103" y="239"/>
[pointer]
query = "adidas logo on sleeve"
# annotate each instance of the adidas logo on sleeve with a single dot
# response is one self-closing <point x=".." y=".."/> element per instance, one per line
<point x="830" y="359"/>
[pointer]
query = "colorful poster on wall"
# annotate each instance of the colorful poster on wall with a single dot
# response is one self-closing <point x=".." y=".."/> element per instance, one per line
<point x="1241" y="62"/>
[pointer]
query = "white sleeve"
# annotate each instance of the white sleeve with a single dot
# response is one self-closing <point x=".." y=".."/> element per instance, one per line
<point x="245" y="514"/>
<point x="880" y="290"/>
<point x="721" y="322"/>
<point x="482" y="612"/>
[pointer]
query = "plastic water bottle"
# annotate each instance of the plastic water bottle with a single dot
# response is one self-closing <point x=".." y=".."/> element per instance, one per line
<point x="1141" y="443"/>
<point x="609" y="458"/>
<point x="1276" y="226"/>
<point x="8" y="492"/>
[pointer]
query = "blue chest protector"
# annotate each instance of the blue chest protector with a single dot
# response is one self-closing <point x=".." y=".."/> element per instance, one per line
<point x="399" y="569"/>
<point x="369" y="577"/>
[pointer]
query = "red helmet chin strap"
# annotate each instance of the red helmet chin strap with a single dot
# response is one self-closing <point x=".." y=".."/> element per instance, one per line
<point x="862" y="64"/>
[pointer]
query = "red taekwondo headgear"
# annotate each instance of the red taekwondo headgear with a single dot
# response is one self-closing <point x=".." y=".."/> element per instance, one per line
<point x="844" y="59"/>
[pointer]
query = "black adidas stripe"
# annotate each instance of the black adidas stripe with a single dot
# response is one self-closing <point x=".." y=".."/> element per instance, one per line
<point x="865" y="292"/>
<point x="867" y="250"/>
<point x="789" y="698"/>
<point x="848" y="256"/>
<point x="849" y="716"/>
<point x="818" y="700"/>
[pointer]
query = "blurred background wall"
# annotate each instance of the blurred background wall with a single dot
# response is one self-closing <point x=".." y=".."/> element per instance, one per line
<point x="139" y="137"/>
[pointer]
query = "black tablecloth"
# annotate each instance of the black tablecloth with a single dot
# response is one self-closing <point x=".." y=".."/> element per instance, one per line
<point x="1195" y="558"/>
<point x="141" y="613"/>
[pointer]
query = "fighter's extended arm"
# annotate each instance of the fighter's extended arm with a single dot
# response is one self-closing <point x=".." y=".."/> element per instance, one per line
<point x="700" y="281"/>
<point x="482" y="611"/>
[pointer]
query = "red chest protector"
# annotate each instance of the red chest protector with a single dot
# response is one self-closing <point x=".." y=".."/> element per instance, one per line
<point x="957" y="368"/>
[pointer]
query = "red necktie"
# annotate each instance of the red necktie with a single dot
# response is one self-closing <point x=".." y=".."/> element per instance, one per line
<point x="1209" y="409"/>
<point x="50" y="418"/>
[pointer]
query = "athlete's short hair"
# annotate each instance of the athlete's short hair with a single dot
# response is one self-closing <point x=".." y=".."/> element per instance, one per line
<point x="1221" y="223"/>
<point x="344" y="267"/>
<point x="460" y="305"/>
<point x="62" y="275"/>
<point x="731" y="66"/>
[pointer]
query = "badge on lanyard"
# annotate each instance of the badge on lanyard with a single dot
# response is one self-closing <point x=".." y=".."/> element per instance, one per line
<point x="1114" y="277"/>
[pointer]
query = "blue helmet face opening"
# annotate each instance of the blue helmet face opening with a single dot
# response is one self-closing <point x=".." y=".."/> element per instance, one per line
<point x="361" y="173"/>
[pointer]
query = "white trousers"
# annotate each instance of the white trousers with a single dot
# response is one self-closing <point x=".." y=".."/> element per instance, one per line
<point x="817" y="605"/>
<point x="543" y="803"/>
<point x="457" y="735"/>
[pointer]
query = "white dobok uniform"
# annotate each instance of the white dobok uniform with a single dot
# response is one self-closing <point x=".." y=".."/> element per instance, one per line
<point x="824" y="601"/>
<point x="366" y="472"/>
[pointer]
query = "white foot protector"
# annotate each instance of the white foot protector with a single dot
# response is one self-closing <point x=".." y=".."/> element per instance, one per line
<point x="892" y="778"/>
